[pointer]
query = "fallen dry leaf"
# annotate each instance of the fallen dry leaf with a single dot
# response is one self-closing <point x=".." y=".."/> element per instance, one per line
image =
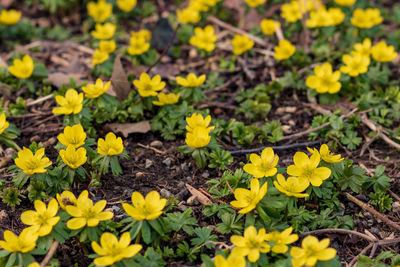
<point x="200" y="196"/>
<point x="58" y="79"/>
<point x="119" y="80"/>
<point x="127" y="128"/>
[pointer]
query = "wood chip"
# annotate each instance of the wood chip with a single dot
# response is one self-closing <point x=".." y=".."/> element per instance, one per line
<point x="200" y="196"/>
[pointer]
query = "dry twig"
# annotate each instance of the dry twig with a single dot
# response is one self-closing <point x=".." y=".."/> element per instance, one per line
<point x="50" y="254"/>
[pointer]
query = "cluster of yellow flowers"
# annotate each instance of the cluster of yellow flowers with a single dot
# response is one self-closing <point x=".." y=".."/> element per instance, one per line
<point x="191" y="13"/>
<point x="139" y="42"/>
<point x="84" y="213"/>
<point x="294" y="10"/>
<point x="325" y="17"/>
<point x="10" y="17"/>
<point x="198" y="130"/>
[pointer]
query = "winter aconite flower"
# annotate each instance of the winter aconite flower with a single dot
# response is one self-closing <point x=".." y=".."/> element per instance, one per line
<point x="355" y="64"/>
<point x="241" y="44"/>
<point x="382" y="52"/>
<point x="307" y="168"/>
<point x="70" y="103"/>
<point x="99" y="57"/>
<point x="112" y="250"/>
<point x="85" y="213"/>
<point x="188" y="15"/>
<point x="149" y="86"/>
<point x="311" y="251"/>
<point x="345" y="2"/>
<point x="22" y="68"/>
<point x="232" y="260"/>
<point x="10" y="17"/>
<point x="104" y="31"/>
<point x="166" y="99"/>
<point x="126" y="5"/>
<point x="325" y="18"/>
<point x="107" y="46"/>
<point x="3" y="123"/>
<point x="247" y="200"/>
<point x="325" y="80"/>
<point x="363" y="48"/>
<point x="197" y="120"/>
<point x="204" y="38"/>
<point x="280" y="240"/>
<point x="74" y="158"/>
<point x="255" y="3"/>
<point x="99" y="11"/>
<point x="198" y="138"/>
<point x="269" y="26"/>
<point x="264" y="166"/>
<point x="30" y="163"/>
<point x="146" y="34"/>
<point x="23" y="243"/>
<point x="367" y="18"/>
<point x="72" y="136"/>
<point x="96" y="90"/>
<point x="293" y="186"/>
<point x="191" y="80"/>
<point x="68" y="198"/>
<point x="110" y="146"/>
<point x="326" y="154"/>
<point x="149" y="208"/>
<point x="251" y="244"/>
<point x="138" y="46"/>
<point x="284" y="50"/>
<point x="291" y="11"/>
<point x="42" y="219"/>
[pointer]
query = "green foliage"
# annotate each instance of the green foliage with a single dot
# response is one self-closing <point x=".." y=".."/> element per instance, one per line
<point x="230" y="224"/>
<point x="365" y="261"/>
<point x="378" y="182"/>
<point x="346" y="175"/>
<point x="381" y="200"/>
<point x="182" y="220"/>
<point x="254" y="103"/>
<point x="219" y="159"/>
<point x="11" y="197"/>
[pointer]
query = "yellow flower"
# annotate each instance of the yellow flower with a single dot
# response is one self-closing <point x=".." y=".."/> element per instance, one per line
<point x="355" y="64"/>
<point x="68" y="198"/>
<point x="188" y="15"/>
<point x="367" y="18"/>
<point x="96" y="90"/>
<point x="326" y="154"/>
<point x="199" y="137"/>
<point x="233" y="260"/>
<point x="10" y="17"/>
<point x="337" y="16"/>
<point x="3" y="123"/>
<point x="111" y="250"/>
<point x="293" y="186"/>
<point x="345" y="2"/>
<point x="204" y="38"/>
<point x="284" y="50"/>
<point x="146" y="34"/>
<point x="247" y="200"/>
<point x="71" y="103"/>
<point x="85" y="213"/>
<point x="382" y="52"/>
<point x="30" y="163"/>
<point x="149" y="208"/>
<point x="325" y="80"/>
<point x="281" y="240"/>
<point x="72" y="136"/>
<point x="99" y="57"/>
<point x="149" y="87"/>
<point x="264" y="166"/>
<point x="138" y="45"/>
<point x="199" y="5"/>
<point x="99" y="11"/>
<point x="251" y="244"/>
<point x="35" y="264"/>
<point x="22" y="68"/>
<point x="107" y="46"/>
<point x="311" y="251"/>
<point x="307" y="168"/>
<point x="291" y="11"/>
<point x="325" y="18"/>
<point x="104" y="32"/>
<point x="166" y="99"/>
<point x="74" y="158"/>
<point x="42" y="219"/>
<point x="269" y="26"/>
<point x="191" y="80"/>
<point x="23" y="243"/>
<point x="241" y="44"/>
<point x="126" y="5"/>
<point x="255" y="3"/>
<point x="110" y="146"/>
<point x="363" y="48"/>
<point x="197" y="120"/>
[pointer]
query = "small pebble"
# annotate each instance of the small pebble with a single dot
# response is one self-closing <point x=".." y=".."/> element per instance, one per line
<point x="189" y="179"/>
<point x="156" y="143"/>
<point x="10" y="151"/>
<point x="167" y="162"/>
<point x="181" y="184"/>
<point x="205" y="175"/>
<point x="165" y="193"/>
<point x="139" y="175"/>
<point x="184" y="167"/>
<point x="115" y="209"/>
<point x="149" y="163"/>
<point x="182" y="207"/>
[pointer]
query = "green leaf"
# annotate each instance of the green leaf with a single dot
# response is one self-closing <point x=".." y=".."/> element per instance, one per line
<point x="11" y="260"/>
<point x="146" y="232"/>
